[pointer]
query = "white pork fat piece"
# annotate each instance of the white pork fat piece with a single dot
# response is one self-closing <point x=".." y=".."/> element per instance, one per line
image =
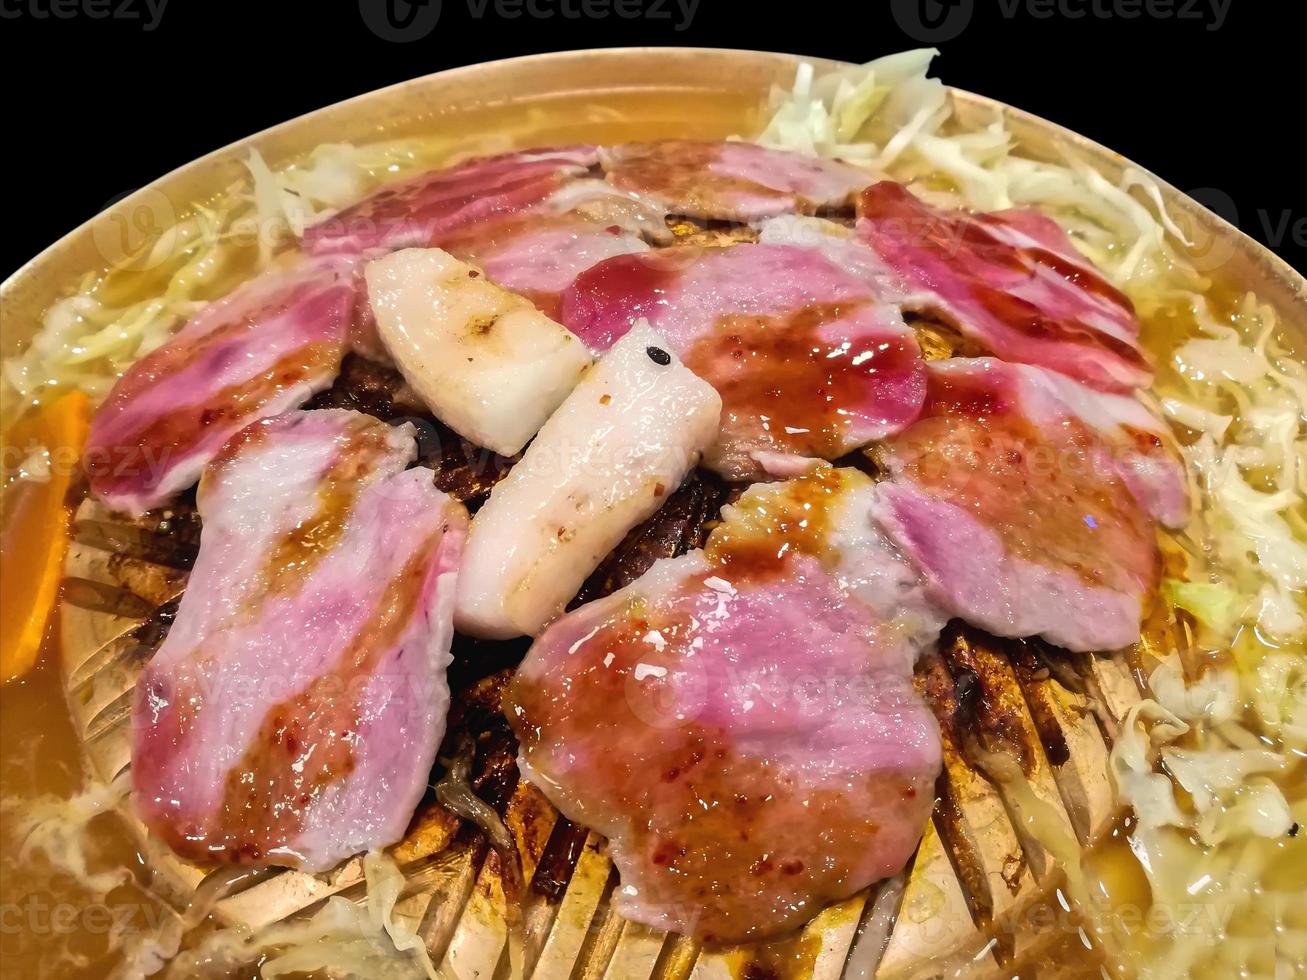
<point x="485" y="360"/>
<point x="608" y="458"/>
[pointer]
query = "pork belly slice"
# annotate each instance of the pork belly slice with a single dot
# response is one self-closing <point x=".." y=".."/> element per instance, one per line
<point x="539" y="255"/>
<point x="731" y="181"/>
<point x="422" y="209"/>
<point x="1029" y="502"/>
<point x="486" y="362"/>
<point x="263" y="349"/>
<point x="828" y="513"/>
<point x="1137" y="444"/>
<point x="744" y="733"/>
<point x="605" y="461"/>
<point x="807" y="360"/>
<point x="292" y="715"/>
<point x="1010" y="281"/>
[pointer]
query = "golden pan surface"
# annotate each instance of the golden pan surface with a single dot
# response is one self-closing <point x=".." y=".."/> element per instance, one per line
<point x="964" y="907"/>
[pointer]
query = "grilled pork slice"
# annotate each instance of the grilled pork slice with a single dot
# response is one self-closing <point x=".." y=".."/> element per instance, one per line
<point x="265" y="348"/>
<point x="744" y="733"/>
<point x="487" y="362"/>
<point x="731" y="181"/>
<point x="807" y="360"/>
<point x="1010" y="281"/>
<point x="828" y="513"/>
<point x="1029" y="501"/>
<point x="607" y="459"/>
<point x="424" y="209"/>
<point x="539" y="255"/>
<point x="291" y="717"/>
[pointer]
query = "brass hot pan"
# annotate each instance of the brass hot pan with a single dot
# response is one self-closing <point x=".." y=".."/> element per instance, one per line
<point x="966" y="900"/>
<point x="963" y="905"/>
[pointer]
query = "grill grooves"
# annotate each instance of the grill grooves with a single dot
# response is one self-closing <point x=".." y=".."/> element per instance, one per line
<point x="962" y="901"/>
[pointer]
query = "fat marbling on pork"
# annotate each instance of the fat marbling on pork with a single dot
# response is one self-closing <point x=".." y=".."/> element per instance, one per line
<point x="292" y="715"/>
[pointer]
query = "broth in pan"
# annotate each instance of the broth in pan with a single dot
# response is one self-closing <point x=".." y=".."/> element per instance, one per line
<point x="1131" y="814"/>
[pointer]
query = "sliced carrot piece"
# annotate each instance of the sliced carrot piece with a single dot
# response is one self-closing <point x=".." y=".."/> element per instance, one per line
<point x="34" y="528"/>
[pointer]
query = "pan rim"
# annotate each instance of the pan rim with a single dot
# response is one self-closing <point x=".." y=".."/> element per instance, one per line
<point x="1272" y="264"/>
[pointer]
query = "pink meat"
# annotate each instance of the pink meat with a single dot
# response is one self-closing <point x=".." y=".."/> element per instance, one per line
<point x="539" y="254"/>
<point x="420" y="211"/>
<point x="1136" y="444"/>
<point x="807" y="360"/>
<point x="1010" y="281"/>
<point x="747" y="737"/>
<point x="1029" y="502"/>
<point x="263" y="349"/>
<point x="292" y="715"/>
<point x="731" y="181"/>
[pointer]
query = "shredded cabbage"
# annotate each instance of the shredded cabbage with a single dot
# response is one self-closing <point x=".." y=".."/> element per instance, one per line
<point x="88" y="339"/>
<point x="341" y="939"/>
<point x="1250" y="468"/>
<point x="1207" y="763"/>
<point x="1278" y="695"/>
<point x="890" y="116"/>
<point x="332" y="176"/>
<point x="1193" y="762"/>
<point x="56" y="828"/>
<point x="140" y="930"/>
<point x="347" y="940"/>
<point x="1207" y="853"/>
<point x="368" y="940"/>
<point x="1150" y="793"/>
<point x="1209" y="774"/>
<point x="1213" y="604"/>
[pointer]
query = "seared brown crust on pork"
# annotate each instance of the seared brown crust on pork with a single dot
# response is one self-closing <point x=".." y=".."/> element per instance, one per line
<point x="698" y="231"/>
<point x="465" y="471"/>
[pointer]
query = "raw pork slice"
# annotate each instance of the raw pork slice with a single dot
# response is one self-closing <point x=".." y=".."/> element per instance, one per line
<point x="263" y="349"/>
<point x="422" y="210"/>
<point x="292" y="715"/>
<point x="731" y="181"/>
<point x="807" y="360"/>
<point x="744" y="733"/>
<point x="1009" y="281"/>
<point x="1029" y="502"/>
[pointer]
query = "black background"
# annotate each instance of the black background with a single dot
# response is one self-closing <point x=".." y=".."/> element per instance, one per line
<point x="98" y="107"/>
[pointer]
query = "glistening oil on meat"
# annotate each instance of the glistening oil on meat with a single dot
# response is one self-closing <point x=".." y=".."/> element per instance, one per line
<point x="1222" y="649"/>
